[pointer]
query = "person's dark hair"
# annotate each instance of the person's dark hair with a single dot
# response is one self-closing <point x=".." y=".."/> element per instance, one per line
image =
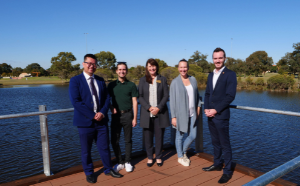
<point x="219" y="50"/>
<point x="122" y="63"/>
<point x="91" y="56"/>
<point x="151" y="61"/>
<point x="183" y="60"/>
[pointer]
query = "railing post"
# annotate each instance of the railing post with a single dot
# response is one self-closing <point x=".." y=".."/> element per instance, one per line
<point x="45" y="141"/>
<point x="199" y="136"/>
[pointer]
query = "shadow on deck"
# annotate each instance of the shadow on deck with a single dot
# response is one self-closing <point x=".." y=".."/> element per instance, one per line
<point x="171" y="173"/>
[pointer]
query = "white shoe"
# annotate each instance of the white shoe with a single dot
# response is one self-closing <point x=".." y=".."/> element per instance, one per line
<point x="128" y="167"/>
<point x="118" y="167"/>
<point x="183" y="162"/>
<point x="186" y="158"/>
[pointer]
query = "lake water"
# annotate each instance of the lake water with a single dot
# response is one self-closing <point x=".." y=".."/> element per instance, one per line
<point x="261" y="141"/>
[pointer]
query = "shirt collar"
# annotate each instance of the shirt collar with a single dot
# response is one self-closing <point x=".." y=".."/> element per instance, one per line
<point x="219" y="70"/>
<point x="87" y="76"/>
<point x="120" y="81"/>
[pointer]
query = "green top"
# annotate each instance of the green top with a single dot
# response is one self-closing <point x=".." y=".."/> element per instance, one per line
<point x="121" y="94"/>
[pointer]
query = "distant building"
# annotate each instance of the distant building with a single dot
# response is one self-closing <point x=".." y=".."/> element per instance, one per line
<point x="24" y="75"/>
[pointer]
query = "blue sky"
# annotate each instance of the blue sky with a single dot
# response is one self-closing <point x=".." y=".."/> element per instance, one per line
<point x="34" y="31"/>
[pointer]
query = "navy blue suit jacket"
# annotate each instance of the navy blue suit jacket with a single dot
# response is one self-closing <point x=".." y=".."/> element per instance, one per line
<point x="81" y="98"/>
<point x="223" y="94"/>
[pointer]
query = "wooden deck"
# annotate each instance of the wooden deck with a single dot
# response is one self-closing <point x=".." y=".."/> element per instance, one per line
<point x="171" y="173"/>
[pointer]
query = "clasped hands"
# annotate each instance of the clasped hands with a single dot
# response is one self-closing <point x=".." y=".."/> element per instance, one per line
<point x="210" y="112"/>
<point x="154" y="110"/>
<point x="99" y="116"/>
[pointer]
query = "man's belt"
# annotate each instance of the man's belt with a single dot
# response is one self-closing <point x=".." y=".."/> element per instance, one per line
<point x="124" y="111"/>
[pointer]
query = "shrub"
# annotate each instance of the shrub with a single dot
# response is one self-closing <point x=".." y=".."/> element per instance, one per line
<point x="249" y="80"/>
<point x="260" y="81"/>
<point x="280" y="82"/>
<point x="201" y="78"/>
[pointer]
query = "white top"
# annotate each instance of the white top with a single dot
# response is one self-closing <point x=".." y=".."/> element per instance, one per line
<point x="153" y="95"/>
<point x="87" y="77"/>
<point x="190" y="93"/>
<point x="216" y="76"/>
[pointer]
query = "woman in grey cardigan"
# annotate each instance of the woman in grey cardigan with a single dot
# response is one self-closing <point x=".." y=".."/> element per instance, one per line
<point x="185" y="109"/>
<point x="154" y="118"/>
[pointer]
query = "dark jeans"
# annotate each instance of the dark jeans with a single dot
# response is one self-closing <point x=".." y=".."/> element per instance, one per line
<point x="118" y="122"/>
<point x="159" y="137"/>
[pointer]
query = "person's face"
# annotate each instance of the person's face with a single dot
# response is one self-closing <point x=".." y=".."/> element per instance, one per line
<point x="89" y="66"/>
<point x="121" y="71"/>
<point x="183" y="68"/>
<point x="219" y="59"/>
<point x="151" y="69"/>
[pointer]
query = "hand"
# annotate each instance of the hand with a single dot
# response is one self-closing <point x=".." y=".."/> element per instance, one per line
<point x="174" y="122"/>
<point x="151" y="108"/>
<point x="210" y="112"/>
<point x="97" y="116"/>
<point x="113" y="110"/>
<point x="134" y="122"/>
<point x="154" y="111"/>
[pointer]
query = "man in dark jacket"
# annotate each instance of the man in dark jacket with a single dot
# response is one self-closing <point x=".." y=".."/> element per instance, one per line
<point x="220" y="92"/>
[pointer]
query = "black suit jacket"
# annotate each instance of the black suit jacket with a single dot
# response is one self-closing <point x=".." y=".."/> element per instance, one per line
<point x="162" y="98"/>
<point x="223" y="94"/>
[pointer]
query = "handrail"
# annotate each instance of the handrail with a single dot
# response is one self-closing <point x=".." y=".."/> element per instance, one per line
<point x="290" y="113"/>
<point x="275" y="173"/>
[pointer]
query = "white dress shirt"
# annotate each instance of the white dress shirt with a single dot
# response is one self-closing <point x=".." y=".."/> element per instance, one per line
<point x="216" y="76"/>
<point x="87" y="77"/>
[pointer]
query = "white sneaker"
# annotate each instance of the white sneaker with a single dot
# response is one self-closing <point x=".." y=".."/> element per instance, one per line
<point x="183" y="162"/>
<point x="186" y="158"/>
<point x="128" y="167"/>
<point x="118" y="167"/>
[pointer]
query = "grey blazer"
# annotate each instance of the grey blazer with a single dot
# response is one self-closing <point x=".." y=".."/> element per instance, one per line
<point x="179" y="102"/>
<point x="162" y="98"/>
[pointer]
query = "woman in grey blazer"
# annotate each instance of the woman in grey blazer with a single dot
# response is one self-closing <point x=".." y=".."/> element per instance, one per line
<point x="185" y="109"/>
<point x="154" y="117"/>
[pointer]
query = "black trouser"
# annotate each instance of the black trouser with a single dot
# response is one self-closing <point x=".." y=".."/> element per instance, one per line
<point x="159" y="138"/>
<point x="118" y="122"/>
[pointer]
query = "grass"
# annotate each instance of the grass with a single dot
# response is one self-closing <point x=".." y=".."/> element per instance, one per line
<point x="266" y="77"/>
<point x="32" y="80"/>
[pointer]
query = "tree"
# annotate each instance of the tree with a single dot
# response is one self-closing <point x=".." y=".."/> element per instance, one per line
<point x="105" y="73"/>
<point x="170" y="73"/>
<point x="161" y="63"/>
<point x="236" y="65"/>
<point x="5" y="68"/>
<point x="106" y="60"/>
<point x="137" y="72"/>
<point x="258" y="62"/>
<point x="34" y="67"/>
<point x="200" y="60"/>
<point x="17" y="71"/>
<point x="62" y="65"/>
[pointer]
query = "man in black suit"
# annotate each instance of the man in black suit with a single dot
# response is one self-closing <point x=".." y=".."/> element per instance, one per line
<point x="220" y="92"/>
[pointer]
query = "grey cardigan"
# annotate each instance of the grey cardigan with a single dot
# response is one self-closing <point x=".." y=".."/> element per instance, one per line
<point x="162" y="98"/>
<point x="179" y="102"/>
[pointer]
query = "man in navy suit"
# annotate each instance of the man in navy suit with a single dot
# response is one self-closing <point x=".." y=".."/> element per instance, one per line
<point x="91" y="102"/>
<point x="220" y="92"/>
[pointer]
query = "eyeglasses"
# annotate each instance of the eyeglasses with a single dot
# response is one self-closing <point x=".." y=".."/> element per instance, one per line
<point x="89" y="64"/>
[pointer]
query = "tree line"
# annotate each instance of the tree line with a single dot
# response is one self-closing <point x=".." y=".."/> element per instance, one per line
<point x="256" y="64"/>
